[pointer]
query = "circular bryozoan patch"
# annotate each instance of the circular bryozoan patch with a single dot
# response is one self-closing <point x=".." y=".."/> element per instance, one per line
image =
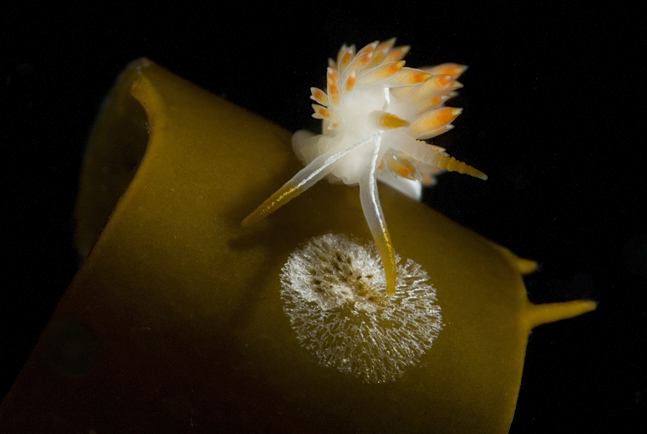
<point x="335" y="297"/>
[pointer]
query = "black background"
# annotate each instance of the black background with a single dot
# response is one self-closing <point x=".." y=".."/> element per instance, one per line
<point x="553" y="106"/>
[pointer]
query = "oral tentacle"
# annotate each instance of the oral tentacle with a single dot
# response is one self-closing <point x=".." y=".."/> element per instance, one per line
<point x="303" y="180"/>
<point x="374" y="216"/>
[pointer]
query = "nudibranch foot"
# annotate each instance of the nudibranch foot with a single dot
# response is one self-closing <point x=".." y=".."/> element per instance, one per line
<point x="376" y="114"/>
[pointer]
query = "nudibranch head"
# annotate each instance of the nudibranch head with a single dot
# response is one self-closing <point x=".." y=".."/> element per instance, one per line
<point x="376" y="115"/>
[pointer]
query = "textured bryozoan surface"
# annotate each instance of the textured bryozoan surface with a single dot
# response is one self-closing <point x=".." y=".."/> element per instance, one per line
<point x="335" y="296"/>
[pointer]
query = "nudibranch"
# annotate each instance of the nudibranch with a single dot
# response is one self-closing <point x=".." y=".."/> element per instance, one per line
<point x="376" y="116"/>
<point x="176" y="320"/>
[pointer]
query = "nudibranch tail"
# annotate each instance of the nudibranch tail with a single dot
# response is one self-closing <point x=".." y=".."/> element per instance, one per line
<point x="376" y="112"/>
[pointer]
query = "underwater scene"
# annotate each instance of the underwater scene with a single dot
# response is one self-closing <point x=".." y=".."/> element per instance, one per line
<point x="225" y="221"/>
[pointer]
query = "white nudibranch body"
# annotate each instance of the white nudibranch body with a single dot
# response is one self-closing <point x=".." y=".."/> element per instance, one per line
<point x="376" y="115"/>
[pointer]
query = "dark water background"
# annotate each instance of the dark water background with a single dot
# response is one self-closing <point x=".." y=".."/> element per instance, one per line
<point x="553" y="107"/>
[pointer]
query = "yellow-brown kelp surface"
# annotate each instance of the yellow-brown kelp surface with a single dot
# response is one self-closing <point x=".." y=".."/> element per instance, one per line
<point x="175" y="322"/>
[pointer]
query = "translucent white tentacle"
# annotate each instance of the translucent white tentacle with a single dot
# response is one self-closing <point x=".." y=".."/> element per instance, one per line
<point x="370" y="201"/>
<point x="303" y="180"/>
